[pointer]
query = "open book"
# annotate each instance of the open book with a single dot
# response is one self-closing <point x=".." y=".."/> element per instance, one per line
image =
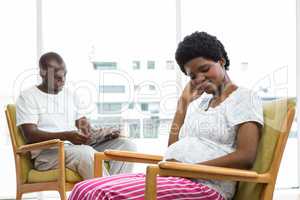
<point x="101" y="135"/>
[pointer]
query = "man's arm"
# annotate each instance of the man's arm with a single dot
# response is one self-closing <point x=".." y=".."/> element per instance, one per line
<point x="33" y="135"/>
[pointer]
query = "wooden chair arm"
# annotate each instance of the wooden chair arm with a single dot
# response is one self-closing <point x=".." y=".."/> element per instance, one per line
<point x="39" y="146"/>
<point x="132" y="156"/>
<point x="45" y="145"/>
<point x="211" y="172"/>
<point x="127" y="156"/>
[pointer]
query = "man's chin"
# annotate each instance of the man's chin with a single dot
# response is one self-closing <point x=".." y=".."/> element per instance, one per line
<point x="57" y="90"/>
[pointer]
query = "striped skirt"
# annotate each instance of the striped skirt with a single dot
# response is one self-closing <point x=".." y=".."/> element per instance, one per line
<point x="132" y="186"/>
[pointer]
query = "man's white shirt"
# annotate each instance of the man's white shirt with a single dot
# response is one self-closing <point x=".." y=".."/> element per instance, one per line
<point x="50" y="112"/>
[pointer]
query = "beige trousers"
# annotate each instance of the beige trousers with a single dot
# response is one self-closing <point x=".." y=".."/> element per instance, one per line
<point x="80" y="158"/>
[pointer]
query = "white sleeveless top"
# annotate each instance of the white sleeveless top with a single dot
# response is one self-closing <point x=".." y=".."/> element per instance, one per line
<point x="206" y="135"/>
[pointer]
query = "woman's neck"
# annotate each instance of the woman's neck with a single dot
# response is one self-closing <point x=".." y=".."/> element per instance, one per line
<point x="221" y="88"/>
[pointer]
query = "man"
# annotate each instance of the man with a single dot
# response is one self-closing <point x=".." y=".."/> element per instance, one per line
<point x="50" y="111"/>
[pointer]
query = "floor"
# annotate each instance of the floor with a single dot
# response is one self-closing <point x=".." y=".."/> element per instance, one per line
<point x="284" y="194"/>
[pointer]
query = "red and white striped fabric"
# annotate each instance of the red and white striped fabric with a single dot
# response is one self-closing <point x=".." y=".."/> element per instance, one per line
<point x="132" y="186"/>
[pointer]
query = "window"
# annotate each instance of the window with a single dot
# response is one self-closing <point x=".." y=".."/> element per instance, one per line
<point x="131" y="105"/>
<point x="261" y="48"/>
<point x="144" y="107"/>
<point x="105" y="65"/>
<point x="101" y="52"/>
<point x="150" y="64"/>
<point x="170" y="64"/>
<point x="107" y="122"/>
<point x="18" y="48"/>
<point x="112" y="89"/>
<point x="136" y="64"/>
<point x="154" y="107"/>
<point x="134" y="128"/>
<point x="248" y="46"/>
<point x="151" y="127"/>
<point x="109" y="108"/>
<point x="151" y="87"/>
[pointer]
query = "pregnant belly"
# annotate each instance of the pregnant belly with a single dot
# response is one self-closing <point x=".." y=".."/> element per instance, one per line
<point x="193" y="150"/>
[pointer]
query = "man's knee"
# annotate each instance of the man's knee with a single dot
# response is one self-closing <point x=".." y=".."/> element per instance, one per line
<point x="85" y="162"/>
<point x="87" y="152"/>
<point x="81" y="154"/>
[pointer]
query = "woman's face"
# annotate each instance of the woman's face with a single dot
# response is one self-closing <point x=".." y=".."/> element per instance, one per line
<point x="207" y="73"/>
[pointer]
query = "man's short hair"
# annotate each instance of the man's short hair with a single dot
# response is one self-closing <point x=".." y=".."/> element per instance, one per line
<point x="47" y="57"/>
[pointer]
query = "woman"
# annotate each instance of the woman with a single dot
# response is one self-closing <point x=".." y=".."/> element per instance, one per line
<point x="216" y="123"/>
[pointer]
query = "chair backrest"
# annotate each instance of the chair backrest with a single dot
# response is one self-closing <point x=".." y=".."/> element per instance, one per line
<point x="24" y="164"/>
<point x="278" y="118"/>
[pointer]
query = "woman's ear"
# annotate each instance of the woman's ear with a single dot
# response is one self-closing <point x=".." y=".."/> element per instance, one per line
<point x="222" y="62"/>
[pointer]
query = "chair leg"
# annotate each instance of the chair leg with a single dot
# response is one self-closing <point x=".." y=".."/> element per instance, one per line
<point x="267" y="193"/>
<point x="62" y="194"/>
<point x="150" y="186"/>
<point x="18" y="195"/>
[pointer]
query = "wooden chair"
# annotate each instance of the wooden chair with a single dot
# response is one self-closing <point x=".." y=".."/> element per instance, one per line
<point x="30" y="180"/>
<point x="254" y="184"/>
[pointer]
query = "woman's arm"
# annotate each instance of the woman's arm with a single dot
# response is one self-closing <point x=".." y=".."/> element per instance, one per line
<point x="248" y="135"/>
<point x="178" y="120"/>
<point x="189" y="94"/>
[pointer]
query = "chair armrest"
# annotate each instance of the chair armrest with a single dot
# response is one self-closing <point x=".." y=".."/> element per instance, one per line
<point x="127" y="156"/>
<point x="60" y="154"/>
<point x="38" y="146"/>
<point x="131" y="156"/>
<point x="211" y="172"/>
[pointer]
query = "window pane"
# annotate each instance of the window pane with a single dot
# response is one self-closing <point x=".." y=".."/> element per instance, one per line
<point x="18" y="64"/>
<point x="151" y="127"/>
<point x="115" y="43"/>
<point x="136" y="64"/>
<point x="134" y="128"/>
<point x="106" y="108"/>
<point x="150" y="64"/>
<point x="105" y="65"/>
<point x="144" y="107"/>
<point x="112" y="89"/>
<point x="259" y="37"/>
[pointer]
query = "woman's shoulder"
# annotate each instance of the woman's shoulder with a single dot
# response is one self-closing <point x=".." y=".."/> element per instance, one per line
<point x="243" y="95"/>
<point x="242" y="92"/>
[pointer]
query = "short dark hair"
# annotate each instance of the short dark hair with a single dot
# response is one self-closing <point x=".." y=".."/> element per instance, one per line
<point x="45" y="58"/>
<point x="200" y="44"/>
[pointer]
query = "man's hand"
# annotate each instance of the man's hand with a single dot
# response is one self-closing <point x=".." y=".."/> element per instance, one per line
<point x="77" y="138"/>
<point x="114" y="134"/>
<point x="84" y="126"/>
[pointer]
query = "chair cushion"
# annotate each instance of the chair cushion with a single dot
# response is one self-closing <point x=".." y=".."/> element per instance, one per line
<point x="36" y="176"/>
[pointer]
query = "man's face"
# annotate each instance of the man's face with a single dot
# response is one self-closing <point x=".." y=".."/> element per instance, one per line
<point x="54" y="76"/>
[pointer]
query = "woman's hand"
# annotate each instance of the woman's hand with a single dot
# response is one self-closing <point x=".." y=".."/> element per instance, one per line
<point x="191" y="92"/>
